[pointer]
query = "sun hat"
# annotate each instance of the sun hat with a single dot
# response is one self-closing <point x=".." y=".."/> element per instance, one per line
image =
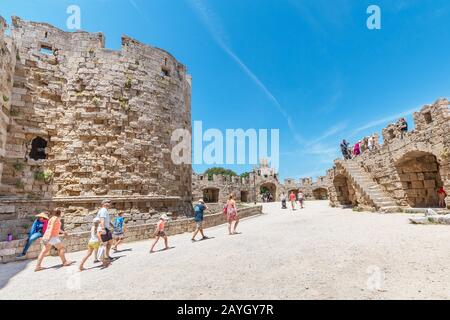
<point x="201" y="200"/>
<point x="164" y="217"/>
<point x="96" y="219"/>
<point x="42" y="215"/>
<point x="106" y="201"/>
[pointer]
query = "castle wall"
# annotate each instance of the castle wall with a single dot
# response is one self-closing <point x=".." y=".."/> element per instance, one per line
<point x="7" y="63"/>
<point x="250" y="187"/>
<point x="107" y="118"/>
<point x="410" y="169"/>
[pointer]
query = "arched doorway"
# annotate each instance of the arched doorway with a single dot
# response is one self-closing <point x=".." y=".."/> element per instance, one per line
<point x="244" y="196"/>
<point x="320" y="194"/>
<point x="420" y="178"/>
<point x="345" y="195"/>
<point x="211" y="195"/>
<point x="268" y="192"/>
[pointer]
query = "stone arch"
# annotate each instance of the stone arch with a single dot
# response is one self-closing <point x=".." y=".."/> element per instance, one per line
<point x="420" y="177"/>
<point x="211" y="195"/>
<point x="345" y="194"/>
<point x="320" y="194"/>
<point x="269" y="187"/>
<point x="37" y="151"/>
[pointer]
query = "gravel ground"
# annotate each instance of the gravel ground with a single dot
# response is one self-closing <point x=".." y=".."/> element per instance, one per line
<point x="315" y="253"/>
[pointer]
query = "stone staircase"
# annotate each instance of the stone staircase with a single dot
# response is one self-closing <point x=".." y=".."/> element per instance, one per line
<point x="369" y="189"/>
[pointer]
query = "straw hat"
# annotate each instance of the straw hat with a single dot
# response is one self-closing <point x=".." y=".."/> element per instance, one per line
<point x="42" y="215"/>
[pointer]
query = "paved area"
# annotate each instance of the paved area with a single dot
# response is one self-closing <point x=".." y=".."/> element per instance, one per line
<point x="315" y="253"/>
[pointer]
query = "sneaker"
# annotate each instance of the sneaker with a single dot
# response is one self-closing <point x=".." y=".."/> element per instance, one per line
<point x="205" y="238"/>
<point x="193" y="240"/>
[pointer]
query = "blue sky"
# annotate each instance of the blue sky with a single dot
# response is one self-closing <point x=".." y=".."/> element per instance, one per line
<point x="310" y="68"/>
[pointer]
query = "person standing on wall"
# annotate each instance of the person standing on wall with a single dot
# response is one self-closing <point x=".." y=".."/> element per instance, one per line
<point x="106" y="226"/>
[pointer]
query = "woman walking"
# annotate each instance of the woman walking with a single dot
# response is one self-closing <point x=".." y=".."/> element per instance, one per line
<point x="232" y="214"/>
<point x="51" y="239"/>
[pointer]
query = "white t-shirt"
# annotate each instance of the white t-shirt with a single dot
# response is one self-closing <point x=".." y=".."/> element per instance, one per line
<point x="94" y="237"/>
<point x="103" y="213"/>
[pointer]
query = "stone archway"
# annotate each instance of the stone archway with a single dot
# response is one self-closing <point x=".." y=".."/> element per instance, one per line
<point x="345" y="194"/>
<point x="420" y="178"/>
<point x="211" y="195"/>
<point x="320" y="194"/>
<point x="268" y="188"/>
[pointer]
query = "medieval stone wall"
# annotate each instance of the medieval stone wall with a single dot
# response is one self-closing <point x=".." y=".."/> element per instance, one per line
<point x="7" y="64"/>
<point x="410" y="168"/>
<point x="247" y="189"/>
<point x="106" y="118"/>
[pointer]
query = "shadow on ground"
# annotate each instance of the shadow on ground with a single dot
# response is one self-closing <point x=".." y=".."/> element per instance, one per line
<point x="8" y="271"/>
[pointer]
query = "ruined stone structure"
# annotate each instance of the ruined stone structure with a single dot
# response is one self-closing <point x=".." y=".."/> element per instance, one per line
<point x="402" y="172"/>
<point x="219" y="187"/>
<point x="80" y="123"/>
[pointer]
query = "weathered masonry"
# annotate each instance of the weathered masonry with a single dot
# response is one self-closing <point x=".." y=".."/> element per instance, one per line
<point x="217" y="188"/>
<point x="404" y="172"/>
<point x="80" y="123"/>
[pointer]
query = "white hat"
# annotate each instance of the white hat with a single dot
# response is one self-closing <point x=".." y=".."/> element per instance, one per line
<point x="201" y="200"/>
<point x="96" y="219"/>
<point x="164" y="217"/>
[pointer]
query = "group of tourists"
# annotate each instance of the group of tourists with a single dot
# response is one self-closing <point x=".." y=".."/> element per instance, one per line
<point x="267" y="197"/>
<point x="293" y="198"/>
<point x="368" y="143"/>
<point x="106" y="234"/>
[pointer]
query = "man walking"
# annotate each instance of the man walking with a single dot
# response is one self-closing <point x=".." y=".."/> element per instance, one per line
<point x="198" y="217"/>
<point x="106" y="225"/>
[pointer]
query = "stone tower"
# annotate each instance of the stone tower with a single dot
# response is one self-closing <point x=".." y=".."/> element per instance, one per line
<point x="81" y="123"/>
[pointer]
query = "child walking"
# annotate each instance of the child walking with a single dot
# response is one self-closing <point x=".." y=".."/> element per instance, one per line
<point x="159" y="232"/>
<point x="94" y="244"/>
<point x="119" y="230"/>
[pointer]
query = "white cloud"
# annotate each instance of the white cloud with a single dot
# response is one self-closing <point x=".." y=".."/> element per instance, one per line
<point x="215" y="28"/>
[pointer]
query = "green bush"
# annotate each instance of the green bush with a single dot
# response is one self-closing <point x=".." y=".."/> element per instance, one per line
<point x="220" y="171"/>
<point x="44" y="176"/>
<point x="18" y="166"/>
<point x="20" y="184"/>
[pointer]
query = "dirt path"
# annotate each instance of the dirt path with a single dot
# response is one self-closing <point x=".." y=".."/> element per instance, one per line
<point x="315" y="253"/>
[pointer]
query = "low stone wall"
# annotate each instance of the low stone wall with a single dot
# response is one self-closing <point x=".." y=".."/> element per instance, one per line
<point x="78" y="241"/>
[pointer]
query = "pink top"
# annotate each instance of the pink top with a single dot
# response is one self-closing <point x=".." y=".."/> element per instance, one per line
<point x="53" y="228"/>
<point x="161" y="225"/>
